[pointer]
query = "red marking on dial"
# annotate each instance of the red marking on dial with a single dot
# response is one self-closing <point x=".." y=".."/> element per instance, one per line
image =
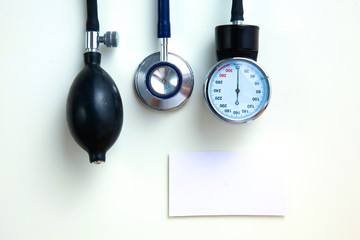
<point x="223" y="67"/>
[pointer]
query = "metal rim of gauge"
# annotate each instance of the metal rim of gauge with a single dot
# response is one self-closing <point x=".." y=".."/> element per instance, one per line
<point x="178" y="95"/>
<point x="219" y="65"/>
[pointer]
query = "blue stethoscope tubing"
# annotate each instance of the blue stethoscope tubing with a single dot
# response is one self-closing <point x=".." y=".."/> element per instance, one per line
<point x="164" y="28"/>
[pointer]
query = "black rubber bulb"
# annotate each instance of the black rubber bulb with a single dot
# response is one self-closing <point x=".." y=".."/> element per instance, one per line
<point x="94" y="109"/>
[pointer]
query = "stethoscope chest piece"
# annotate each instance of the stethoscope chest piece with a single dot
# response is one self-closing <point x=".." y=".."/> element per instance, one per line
<point x="164" y="81"/>
<point x="164" y="85"/>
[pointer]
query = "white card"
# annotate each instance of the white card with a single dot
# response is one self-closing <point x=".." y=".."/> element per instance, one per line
<point x="226" y="183"/>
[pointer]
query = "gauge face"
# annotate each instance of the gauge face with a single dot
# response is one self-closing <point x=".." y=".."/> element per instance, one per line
<point x="237" y="90"/>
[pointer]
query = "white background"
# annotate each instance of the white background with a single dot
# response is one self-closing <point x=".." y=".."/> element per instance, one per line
<point x="48" y="190"/>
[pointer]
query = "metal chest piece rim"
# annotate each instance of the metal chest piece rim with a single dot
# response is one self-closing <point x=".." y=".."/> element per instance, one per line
<point x="164" y="85"/>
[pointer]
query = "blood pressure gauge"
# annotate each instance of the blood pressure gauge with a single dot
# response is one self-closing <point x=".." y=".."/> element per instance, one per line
<point x="237" y="89"/>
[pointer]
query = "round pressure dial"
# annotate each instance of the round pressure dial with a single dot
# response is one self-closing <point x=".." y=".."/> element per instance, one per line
<point x="237" y="90"/>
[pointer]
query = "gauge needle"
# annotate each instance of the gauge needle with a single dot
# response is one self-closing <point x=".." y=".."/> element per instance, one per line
<point x="157" y="77"/>
<point x="237" y="90"/>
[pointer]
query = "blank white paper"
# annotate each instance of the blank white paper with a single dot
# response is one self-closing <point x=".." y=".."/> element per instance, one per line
<point x="226" y="183"/>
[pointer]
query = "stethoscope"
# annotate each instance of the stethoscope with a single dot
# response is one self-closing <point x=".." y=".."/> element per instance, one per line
<point x="164" y="81"/>
<point x="94" y="108"/>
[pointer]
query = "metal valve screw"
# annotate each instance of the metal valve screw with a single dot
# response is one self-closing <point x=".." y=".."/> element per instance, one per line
<point x="110" y="39"/>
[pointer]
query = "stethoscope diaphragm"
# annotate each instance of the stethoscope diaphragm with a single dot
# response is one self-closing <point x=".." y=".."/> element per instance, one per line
<point x="164" y="85"/>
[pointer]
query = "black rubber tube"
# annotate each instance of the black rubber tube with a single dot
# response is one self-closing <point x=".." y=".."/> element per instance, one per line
<point x="237" y="11"/>
<point x="92" y="23"/>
